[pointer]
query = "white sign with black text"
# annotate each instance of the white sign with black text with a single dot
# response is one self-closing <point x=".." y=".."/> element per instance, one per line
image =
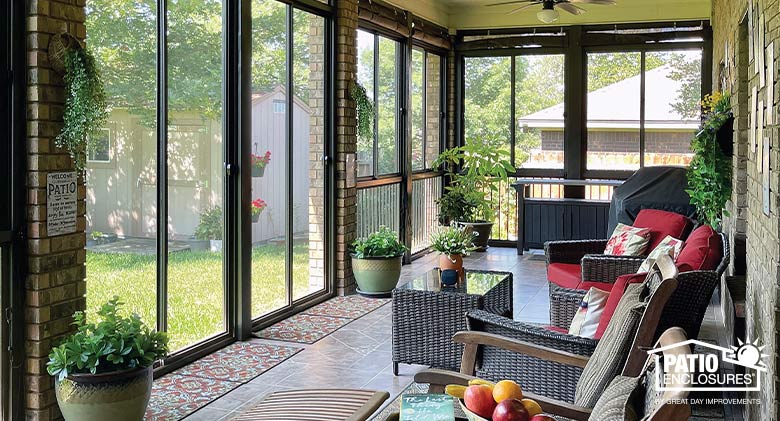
<point x="61" y="203"/>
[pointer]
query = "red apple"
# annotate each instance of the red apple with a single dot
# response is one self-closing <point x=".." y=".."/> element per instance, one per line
<point x="510" y="410"/>
<point x="479" y="400"/>
<point x="542" y="417"/>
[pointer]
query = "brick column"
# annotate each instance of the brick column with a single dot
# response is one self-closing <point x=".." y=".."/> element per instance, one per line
<point x="55" y="284"/>
<point x="451" y="110"/>
<point x="346" y="141"/>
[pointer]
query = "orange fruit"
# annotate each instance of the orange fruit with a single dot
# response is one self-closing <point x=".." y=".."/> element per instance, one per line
<point x="531" y="406"/>
<point x="507" y="389"/>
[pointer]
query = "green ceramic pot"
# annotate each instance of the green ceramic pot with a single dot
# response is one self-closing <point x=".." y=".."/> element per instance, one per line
<point x="376" y="275"/>
<point x="116" y="396"/>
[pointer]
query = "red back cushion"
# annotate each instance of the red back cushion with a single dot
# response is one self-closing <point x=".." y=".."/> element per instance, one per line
<point x="662" y="223"/>
<point x="702" y="250"/>
<point x="614" y="298"/>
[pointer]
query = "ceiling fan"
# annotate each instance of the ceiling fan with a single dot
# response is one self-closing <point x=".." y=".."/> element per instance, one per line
<point x="548" y="14"/>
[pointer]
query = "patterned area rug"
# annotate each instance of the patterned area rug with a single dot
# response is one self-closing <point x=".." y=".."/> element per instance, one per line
<point x="350" y="307"/>
<point x="176" y="395"/>
<point x="303" y="328"/>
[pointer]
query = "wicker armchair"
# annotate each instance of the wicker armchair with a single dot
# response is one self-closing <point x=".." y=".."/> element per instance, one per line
<point x="686" y="307"/>
<point x="552" y="378"/>
<point x="652" y="405"/>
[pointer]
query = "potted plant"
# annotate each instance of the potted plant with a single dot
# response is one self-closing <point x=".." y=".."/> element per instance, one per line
<point x="453" y="242"/>
<point x="475" y="172"/>
<point x="259" y="162"/>
<point x="103" y="371"/>
<point x="258" y="205"/>
<point x="709" y="173"/>
<point x="210" y="228"/>
<point x="376" y="262"/>
<point x="718" y="115"/>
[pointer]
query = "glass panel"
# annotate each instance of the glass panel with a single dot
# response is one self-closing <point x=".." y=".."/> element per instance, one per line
<point x="418" y="77"/>
<point x="432" y="108"/>
<point x="269" y="138"/>
<point x="308" y="149"/>
<point x="387" y="106"/>
<point x="488" y="100"/>
<point x="195" y="161"/>
<point x="613" y="111"/>
<point x="425" y="211"/>
<point x="672" y="106"/>
<point x="122" y="194"/>
<point x="377" y="206"/>
<point x="365" y="76"/>
<point x="539" y="111"/>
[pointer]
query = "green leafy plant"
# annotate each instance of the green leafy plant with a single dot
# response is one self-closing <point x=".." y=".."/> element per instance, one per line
<point x="114" y="343"/>
<point x="97" y="235"/>
<point x="210" y="225"/>
<point x="453" y="239"/>
<point x="709" y="173"/>
<point x="382" y="243"/>
<point x="86" y="111"/>
<point x="475" y="171"/>
<point x="365" y="112"/>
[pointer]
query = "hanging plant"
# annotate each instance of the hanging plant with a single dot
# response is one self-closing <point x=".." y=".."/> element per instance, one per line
<point x="86" y="110"/>
<point x="365" y="111"/>
<point x="709" y="174"/>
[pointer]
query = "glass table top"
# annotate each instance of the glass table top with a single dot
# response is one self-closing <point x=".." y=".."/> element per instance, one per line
<point x="475" y="282"/>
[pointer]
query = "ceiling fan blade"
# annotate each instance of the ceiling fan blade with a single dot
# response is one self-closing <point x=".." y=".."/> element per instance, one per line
<point x="521" y="8"/>
<point x="532" y="2"/>
<point x="574" y="10"/>
<point x="600" y="2"/>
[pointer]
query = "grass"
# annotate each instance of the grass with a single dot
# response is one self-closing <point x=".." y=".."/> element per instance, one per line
<point x="195" y="287"/>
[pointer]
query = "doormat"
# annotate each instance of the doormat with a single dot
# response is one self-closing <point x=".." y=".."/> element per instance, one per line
<point x="303" y="328"/>
<point x="179" y="394"/>
<point x="350" y="307"/>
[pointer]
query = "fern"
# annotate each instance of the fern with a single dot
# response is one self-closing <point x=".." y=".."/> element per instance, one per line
<point x="365" y="112"/>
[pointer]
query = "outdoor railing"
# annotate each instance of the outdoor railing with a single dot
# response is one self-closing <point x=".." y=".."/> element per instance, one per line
<point x="425" y="211"/>
<point x="377" y="206"/>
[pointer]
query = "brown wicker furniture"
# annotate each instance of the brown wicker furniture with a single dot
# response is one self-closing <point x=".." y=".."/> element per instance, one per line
<point x="686" y="307"/>
<point x="651" y="403"/>
<point x="316" y="405"/>
<point x="426" y="315"/>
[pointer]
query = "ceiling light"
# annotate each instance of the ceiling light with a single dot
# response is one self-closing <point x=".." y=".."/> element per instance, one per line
<point x="547" y="15"/>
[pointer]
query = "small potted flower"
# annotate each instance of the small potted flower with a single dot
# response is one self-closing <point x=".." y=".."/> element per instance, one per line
<point x="376" y="262"/>
<point x="453" y="242"/>
<point x="259" y="162"/>
<point x="103" y="371"/>
<point x="258" y="206"/>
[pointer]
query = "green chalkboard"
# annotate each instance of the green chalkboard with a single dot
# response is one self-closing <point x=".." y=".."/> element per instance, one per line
<point x="429" y="407"/>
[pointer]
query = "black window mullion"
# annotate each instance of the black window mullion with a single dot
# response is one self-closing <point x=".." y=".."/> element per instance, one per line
<point x="642" y="97"/>
<point x="162" y="165"/>
<point x="424" y="110"/>
<point x="512" y="130"/>
<point x="288" y="184"/>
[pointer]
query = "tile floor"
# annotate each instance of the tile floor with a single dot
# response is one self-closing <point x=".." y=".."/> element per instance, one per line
<point x="358" y="354"/>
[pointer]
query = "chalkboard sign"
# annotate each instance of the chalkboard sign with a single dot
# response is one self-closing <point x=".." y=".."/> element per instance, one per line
<point x="428" y="407"/>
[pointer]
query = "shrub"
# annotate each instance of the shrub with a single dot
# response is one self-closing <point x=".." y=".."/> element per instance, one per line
<point x="382" y="243"/>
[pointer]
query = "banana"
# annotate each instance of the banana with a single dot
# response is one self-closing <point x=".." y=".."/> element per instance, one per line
<point x="455" y="390"/>
<point x="472" y="382"/>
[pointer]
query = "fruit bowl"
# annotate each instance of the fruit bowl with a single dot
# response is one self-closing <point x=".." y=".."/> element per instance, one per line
<point x="470" y="415"/>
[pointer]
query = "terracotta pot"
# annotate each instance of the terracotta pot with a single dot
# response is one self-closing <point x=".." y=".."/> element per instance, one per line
<point x="117" y="396"/>
<point x="454" y="262"/>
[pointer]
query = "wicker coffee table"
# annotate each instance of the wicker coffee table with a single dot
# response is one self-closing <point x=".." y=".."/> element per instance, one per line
<point x="427" y="314"/>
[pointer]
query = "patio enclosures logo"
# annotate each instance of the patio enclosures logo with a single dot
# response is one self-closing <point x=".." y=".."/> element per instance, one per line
<point x="702" y="371"/>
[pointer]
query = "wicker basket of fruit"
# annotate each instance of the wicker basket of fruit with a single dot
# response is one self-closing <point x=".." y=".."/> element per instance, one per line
<point x="483" y="400"/>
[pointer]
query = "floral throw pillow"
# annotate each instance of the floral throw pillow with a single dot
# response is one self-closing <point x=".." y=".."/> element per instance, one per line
<point x="669" y="245"/>
<point x="627" y="241"/>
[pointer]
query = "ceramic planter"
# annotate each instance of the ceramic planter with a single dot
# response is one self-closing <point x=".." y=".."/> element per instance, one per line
<point x="452" y="262"/>
<point x="256" y="217"/>
<point x="376" y="275"/>
<point x="258" y="172"/>
<point x="483" y="229"/>
<point x="116" y="396"/>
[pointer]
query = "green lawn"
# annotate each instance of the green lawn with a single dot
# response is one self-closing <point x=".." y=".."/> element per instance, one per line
<point x="195" y="287"/>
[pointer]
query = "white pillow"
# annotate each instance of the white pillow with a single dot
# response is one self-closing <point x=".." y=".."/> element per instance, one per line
<point x="627" y="241"/>
<point x="586" y="320"/>
<point x="669" y="245"/>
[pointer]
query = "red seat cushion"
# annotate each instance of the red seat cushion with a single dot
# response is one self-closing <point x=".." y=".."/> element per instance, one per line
<point x="662" y="223"/>
<point x="566" y="275"/>
<point x="556" y="329"/>
<point x="604" y="286"/>
<point x="614" y="298"/>
<point x="702" y="249"/>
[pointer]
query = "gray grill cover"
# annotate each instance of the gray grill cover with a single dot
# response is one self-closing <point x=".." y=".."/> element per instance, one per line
<point x="651" y="188"/>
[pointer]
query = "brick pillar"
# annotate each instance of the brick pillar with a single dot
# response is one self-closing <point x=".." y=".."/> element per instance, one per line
<point x="451" y="110"/>
<point x="316" y="151"/>
<point x="55" y="284"/>
<point x="346" y="141"/>
<point x="434" y="107"/>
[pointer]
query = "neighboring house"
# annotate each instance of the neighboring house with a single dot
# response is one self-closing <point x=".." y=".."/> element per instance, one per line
<point x="121" y="171"/>
<point x="613" y="122"/>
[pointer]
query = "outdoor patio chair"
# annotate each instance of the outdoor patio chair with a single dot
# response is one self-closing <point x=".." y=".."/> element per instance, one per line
<point x="686" y="308"/>
<point x="639" y="394"/>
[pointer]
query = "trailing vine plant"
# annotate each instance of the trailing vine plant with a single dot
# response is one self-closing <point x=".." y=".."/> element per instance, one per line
<point x="86" y="110"/>
<point x="365" y="112"/>
<point x="709" y="174"/>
